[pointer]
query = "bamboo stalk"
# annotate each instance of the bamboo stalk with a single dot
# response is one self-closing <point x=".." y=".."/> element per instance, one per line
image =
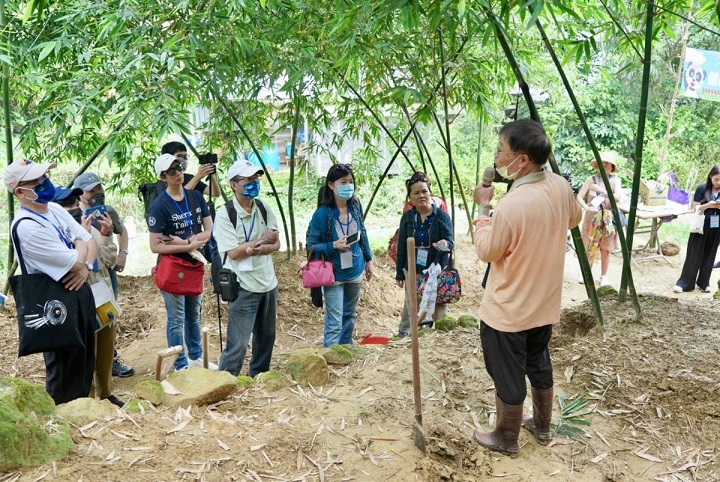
<point x="102" y="146"/>
<point x="8" y="141"/>
<point x="412" y="126"/>
<point x="639" y="140"/>
<point x="423" y="148"/>
<point x="432" y="166"/>
<point x="457" y="180"/>
<point x="627" y="269"/>
<point x="293" y="147"/>
<point x="448" y="145"/>
<point x="575" y="232"/>
<point x="377" y="118"/>
<point x="223" y="102"/>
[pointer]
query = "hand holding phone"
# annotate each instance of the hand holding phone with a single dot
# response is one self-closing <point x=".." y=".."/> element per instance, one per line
<point x="260" y="242"/>
<point x="353" y="238"/>
<point x="95" y="211"/>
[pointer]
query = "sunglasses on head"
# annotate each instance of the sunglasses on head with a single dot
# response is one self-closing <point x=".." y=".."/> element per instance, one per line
<point x="418" y="178"/>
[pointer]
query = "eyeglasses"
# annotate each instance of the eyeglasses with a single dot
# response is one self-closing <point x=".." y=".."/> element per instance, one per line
<point x="245" y="179"/>
<point x="175" y="169"/>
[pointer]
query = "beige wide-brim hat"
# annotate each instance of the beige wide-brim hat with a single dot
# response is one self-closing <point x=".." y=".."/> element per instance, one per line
<point x="608" y="157"/>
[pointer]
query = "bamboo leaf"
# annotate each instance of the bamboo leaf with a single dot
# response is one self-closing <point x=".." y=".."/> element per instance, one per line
<point x="47" y="48"/>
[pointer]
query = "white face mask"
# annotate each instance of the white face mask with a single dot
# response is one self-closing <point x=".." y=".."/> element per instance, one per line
<point x="503" y="171"/>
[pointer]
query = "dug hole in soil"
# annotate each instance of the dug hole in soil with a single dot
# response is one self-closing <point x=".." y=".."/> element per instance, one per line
<point x="651" y="387"/>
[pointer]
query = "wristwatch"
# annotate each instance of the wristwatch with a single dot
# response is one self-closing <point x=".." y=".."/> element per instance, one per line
<point x="89" y="266"/>
<point x="125" y="251"/>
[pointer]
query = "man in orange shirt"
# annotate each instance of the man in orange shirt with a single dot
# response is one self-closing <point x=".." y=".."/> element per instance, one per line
<point x="525" y="241"/>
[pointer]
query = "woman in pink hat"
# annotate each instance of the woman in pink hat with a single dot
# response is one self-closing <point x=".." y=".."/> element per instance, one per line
<point x="599" y="232"/>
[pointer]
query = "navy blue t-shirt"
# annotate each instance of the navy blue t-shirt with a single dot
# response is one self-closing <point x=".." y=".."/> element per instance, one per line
<point x="176" y="218"/>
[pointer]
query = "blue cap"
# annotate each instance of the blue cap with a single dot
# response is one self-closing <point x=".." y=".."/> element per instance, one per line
<point x="63" y="192"/>
<point x="86" y="181"/>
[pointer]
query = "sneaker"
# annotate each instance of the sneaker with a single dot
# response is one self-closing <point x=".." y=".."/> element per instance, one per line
<point x="402" y="334"/>
<point x="716" y="265"/>
<point x="705" y="290"/>
<point x="119" y="369"/>
<point x="604" y="281"/>
<point x="115" y="401"/>
<point x="677" y="289"/>
<point x="199" y="363"/>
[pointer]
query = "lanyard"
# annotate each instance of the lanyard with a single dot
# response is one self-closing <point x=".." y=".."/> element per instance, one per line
<point x="252" y="225"/>
<point x="187" y="209"/>
<point x="423" y="229"/>
<point x="63" y="237"/>
<point x="347" y="224"/>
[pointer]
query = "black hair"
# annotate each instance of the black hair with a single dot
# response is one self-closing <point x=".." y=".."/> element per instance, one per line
<point x="527" y="136"/>
<point x="173" y="147"/>
<point x="68" y="201"/>
<point x="417" y="177"/>
<point x="708" y="183"/>
<point x="336" y="171"/>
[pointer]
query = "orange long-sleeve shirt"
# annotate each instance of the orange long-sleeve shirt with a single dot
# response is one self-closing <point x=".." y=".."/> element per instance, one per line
<point x="525" y="242"/>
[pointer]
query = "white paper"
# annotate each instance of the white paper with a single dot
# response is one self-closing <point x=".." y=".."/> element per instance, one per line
<point x="245" y="264"/>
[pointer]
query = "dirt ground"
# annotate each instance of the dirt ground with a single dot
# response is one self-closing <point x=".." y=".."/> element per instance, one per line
<point x="652" y="387"/>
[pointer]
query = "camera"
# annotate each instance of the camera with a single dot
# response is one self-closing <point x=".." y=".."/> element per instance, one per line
<point x="229" y="285"/>
<point x="208" y="158"/>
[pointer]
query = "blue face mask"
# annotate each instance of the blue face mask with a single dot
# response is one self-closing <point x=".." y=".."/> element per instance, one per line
<point x="345" y="191"/>
<point x="45" y="191"/>
<point x="252" y="190"/>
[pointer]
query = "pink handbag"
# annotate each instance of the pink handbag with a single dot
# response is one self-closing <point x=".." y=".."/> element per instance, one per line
<point x="317" y="272"/>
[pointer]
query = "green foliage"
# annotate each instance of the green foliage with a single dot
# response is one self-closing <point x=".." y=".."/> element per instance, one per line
<point x="116" y="78"/>
<point x="572" y="415"/>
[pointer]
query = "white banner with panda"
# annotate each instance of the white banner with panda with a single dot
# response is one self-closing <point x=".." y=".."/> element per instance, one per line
<point x="701" y="75"/>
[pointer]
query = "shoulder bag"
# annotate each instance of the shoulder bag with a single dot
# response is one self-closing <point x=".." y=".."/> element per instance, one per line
<point x="47" y="312"/>
<point x="181" y="274"/>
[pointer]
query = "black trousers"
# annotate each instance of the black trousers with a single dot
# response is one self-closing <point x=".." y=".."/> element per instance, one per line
<point x="510" y="356"/>
<point x="69" y="373"/>
<point x="699" y="258"/>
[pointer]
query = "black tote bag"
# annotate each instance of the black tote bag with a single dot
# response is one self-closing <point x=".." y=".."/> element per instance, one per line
<point x="47" y="312"/>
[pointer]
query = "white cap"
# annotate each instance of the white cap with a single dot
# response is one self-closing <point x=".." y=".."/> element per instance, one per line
<point x="164" y="162"/>
<point x="243" y="168"/>
<point x="24" y="170"/>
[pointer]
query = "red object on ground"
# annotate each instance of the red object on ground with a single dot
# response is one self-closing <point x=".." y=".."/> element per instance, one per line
<point x="370" y="339"/>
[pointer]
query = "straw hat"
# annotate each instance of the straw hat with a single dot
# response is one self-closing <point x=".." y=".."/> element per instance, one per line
<point x="608" y="157"/>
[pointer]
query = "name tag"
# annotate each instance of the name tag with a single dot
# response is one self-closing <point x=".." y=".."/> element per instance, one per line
<point x="422" y="257"/>
<point x="715" y="221"/>
<point x="245" y="264"/>
<point x="346" y="260"/>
